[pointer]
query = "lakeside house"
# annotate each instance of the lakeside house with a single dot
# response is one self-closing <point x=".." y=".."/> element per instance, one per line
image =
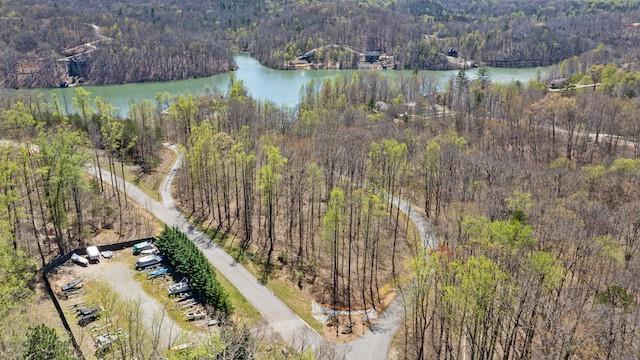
<point x="558" y="83"/>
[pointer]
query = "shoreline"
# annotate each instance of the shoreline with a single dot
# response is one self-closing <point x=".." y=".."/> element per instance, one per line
<point x="290" y="68"/>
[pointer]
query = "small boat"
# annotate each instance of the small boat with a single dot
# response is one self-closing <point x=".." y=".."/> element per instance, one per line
<point x="77" y="283"/>
<point x="88" y="319"/>
<point x="85" y="311"/>
<point x="195" y="315"/>
<point x="146" y="261"/>
<point x="150" y="251"/>
<point x="79" y="260"/>
<point x="188" y="304"/>
<point x="107" y="254"/>
<point x="139" y="247"/>
<point x="179" y="287"/>
<point x="158" y="272"/>
<point x="105" y="341"/>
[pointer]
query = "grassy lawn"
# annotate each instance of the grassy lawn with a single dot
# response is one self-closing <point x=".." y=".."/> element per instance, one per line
<point x="297" y="300"/>
<point x="244" y="312"/>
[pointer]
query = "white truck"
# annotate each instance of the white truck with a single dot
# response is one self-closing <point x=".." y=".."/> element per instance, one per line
<point x="93" y="254"/>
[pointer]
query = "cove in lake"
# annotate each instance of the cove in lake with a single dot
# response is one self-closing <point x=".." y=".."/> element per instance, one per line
<point x="281" y="87"/>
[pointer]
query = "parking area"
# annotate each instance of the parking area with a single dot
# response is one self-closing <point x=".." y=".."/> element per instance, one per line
<point x="128" y="302"/>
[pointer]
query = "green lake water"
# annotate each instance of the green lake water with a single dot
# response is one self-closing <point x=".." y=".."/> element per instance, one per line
<point x="281" y="87"/>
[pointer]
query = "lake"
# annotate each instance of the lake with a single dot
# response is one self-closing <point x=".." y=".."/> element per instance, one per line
<point x="281" y="87"/>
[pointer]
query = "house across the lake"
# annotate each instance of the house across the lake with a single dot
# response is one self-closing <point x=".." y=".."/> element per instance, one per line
<point x="558" y="83"/>
<point x="372" y="56"/>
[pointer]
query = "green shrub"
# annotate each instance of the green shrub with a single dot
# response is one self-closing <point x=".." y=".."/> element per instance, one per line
<point x="188" y="261"/>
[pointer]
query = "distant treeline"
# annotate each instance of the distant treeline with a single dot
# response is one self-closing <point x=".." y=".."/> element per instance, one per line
<point x="171" y="39"/>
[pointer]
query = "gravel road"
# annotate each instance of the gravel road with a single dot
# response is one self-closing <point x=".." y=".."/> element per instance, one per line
<point x="374" y="344"/>
<point x="120" y="278"/>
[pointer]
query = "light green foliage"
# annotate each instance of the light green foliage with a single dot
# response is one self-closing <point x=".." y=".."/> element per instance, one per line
<point x="112" y="131"/>
<point x="520" y="204"/>
<point x="561" y="163"/>
<point x="375" y="117"/>
<point x="618" y="81"/>
<point x="9" y="194"/>
<point x="82" y="102"/>
<point x="19" y="116"/>
<point x="16" y="269"/>
<point x="334" y="216"/>
<point x="104" y="109"/>
<point x="548" y="268"/>
<point x="594" y="172"/>
<point x="479" y="286"/>
<point x="585" y="80"/>
<point x="387" y="159"/>
<point x="237" y="90"/>
<point x="497" y="234"/>
<point x="184" y="110"/>
<point x="314" y="173"/>
<point x="615" y="296"/>
<point x="271" y="172"/>
<point x="42" y="343"/>
<point x="610" y="249"/>
<point x="239" y="149"/>
<point x="309" y="120"/>
<point x="61" y="160"/>
<point x="626" y="166"/>
<point x="399" y="100"/>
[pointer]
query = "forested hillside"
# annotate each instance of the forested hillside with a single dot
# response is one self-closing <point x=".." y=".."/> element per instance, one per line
<point x="42" y="46"/>
<point x="532" y="194"/>
<point x="167" y="40"/>
<point x="418" y="33"/>
<point x="526" y="195"/>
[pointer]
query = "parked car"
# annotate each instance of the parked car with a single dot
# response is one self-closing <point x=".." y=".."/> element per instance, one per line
<point x="93" y="254"/>
<point x="147" y="261"/>
<point x="139" y="247"/>
<point x="79" y="260"/>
